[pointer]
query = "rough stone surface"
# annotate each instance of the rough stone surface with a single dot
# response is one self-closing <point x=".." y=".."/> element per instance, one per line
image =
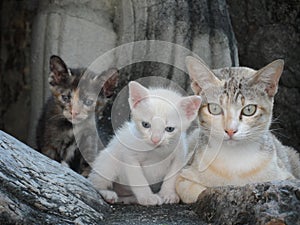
<point x="267" y="30"/>
<point x="267" y="203"/>
<point x="176" y="214"/>
<point x="37" y="190"/>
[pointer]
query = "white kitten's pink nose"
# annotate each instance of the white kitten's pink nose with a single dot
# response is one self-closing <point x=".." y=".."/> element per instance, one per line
<point x="230" y="132"/>
<point x="155" y="140"/>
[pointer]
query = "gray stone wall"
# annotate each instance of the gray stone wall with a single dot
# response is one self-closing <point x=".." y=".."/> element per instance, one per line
<point x="15" y="87"/>
<point x="80" y="31"/>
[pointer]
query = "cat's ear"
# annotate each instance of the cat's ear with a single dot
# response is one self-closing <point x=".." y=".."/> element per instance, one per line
<point x="202" y="77"/>
<point x="111" y="78"/>
<point x="190" y="106"/>
<point x="59" y="70"/>
<point x="137" y="93"/>
<point x="269" y="76"/>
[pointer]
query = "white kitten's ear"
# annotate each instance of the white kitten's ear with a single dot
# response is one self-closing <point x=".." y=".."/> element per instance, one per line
<point x="190" y="106"/>
<point x="269" y="76"/>
<point x="137" y="93"/>
<point x="202" y="77"/>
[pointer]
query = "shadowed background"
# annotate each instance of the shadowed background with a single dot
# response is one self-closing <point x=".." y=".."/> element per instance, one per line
<point x="223" y="33"/>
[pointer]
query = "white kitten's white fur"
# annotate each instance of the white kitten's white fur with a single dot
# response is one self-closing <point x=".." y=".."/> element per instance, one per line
<point x="147" y="150"/>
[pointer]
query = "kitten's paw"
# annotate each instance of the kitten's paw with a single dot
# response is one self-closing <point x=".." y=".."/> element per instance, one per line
<point x="169" y="198"/>
<point x="152" y="199"/>
<point x="109" y="196"/>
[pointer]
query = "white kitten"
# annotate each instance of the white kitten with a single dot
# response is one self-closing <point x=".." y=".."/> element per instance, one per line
<point x="147" y="150"/>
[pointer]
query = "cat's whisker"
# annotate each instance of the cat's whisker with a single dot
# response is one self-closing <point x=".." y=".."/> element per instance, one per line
<point x="277" y="132"/>
<point x="276" y="119"/>
<point x="242" y="110"/>
<point x="59" y="116"/>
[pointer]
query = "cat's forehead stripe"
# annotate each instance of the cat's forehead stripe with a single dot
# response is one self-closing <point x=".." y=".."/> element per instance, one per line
<point x="233" y="89"/>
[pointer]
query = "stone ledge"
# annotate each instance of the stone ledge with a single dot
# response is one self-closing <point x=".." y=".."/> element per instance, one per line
<point x="35" y="189"/>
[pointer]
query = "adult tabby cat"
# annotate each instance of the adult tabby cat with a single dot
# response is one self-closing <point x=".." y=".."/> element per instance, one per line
<point x="149" y="149"/>
<point x="72" y="106"/>
<point x="234" y="145"/>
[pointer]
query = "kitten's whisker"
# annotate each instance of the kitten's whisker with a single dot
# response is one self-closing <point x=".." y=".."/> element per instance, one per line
<point x="56" y="117"/>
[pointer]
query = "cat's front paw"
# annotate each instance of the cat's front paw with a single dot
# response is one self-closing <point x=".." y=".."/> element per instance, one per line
<point x="152" y="199"/>
<point x="169" y="198"/>
<point x="109" y="196"/>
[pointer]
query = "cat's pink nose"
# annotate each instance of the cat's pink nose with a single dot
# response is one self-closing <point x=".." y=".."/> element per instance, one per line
<point x="230" y="132"/>
<point x="155" y="140"/>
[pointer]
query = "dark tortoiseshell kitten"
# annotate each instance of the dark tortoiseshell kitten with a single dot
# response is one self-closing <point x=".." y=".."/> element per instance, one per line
<point x="73" y="109"/>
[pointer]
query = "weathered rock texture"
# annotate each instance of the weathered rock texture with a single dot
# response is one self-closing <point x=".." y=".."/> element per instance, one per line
<point x="266" y="30"/>
<point x="37" y="190"/>
<point x="268" y="203"/>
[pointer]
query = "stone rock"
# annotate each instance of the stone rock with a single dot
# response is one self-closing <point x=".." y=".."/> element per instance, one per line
<point x="265" y="203"/>
<point x="37" y="190"/>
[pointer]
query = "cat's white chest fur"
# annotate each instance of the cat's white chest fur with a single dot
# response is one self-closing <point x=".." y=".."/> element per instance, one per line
<point x="235" y="164"/>
<point x="237" y="158"/>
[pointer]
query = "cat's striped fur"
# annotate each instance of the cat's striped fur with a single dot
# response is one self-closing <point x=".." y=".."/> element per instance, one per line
<point x="234" y="145"/>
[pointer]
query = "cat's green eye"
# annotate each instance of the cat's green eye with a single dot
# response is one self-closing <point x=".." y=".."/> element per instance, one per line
<point x="146" y="124"/>
<point x="214" y="109"/>
<point x="169" y="129"/>
<point x="88" y="102"/>
<point x="66" y="98"/>
<point x="249" y="110"/>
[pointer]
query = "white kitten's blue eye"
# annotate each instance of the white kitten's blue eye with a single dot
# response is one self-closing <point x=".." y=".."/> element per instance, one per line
<point x="214" y="109"/>
<point x="170" y="129"/>
<point x="146" y="124"/>
<point x="249" y="110"/>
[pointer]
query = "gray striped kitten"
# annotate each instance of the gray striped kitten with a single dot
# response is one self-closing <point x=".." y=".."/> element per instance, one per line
<point x="234" y="145"/>
<point x="72" y="105"/>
